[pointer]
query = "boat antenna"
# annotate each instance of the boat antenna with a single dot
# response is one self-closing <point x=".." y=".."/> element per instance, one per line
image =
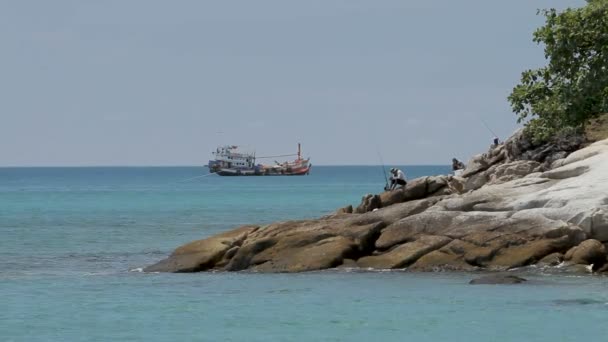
<point x="488" y="127"/>
<point x="383" y="169"/>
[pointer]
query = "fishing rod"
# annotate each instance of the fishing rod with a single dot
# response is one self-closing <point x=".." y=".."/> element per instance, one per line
<point x="488" y="127"/>
<point x="197" y="177"/>
<point x="383" y="169"/>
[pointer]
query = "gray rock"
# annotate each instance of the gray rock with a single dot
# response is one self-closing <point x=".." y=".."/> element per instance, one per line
<point x="552" y="259"/>
<point x="345" y="210"/>
<point x="369" y="202"/>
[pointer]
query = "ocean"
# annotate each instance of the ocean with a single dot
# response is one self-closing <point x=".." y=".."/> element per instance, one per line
<point x="73" y="242"/>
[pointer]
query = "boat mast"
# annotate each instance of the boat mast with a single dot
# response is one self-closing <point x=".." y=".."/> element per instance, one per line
<point x="299" y="154"/>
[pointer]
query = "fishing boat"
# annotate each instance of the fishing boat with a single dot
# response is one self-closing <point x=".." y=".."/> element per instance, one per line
<point x="230" y="160"/>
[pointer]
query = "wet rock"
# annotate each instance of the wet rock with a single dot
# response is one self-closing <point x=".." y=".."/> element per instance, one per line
<point x="589" y="252"/>
<point x="570" y="268"/>
<point x="552" y="259"/>
<point x="203" y="254"/>
<point x="579" y="301"/>
<point x="348" y="263"/>
<point x="530" y="253"/>
<point x="497" y="279"/>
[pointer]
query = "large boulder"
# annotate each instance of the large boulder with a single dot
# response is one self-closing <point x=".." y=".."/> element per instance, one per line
<point x="303" y="246"/>
<point x="425" y="223"/>
<point x="476" y="181"/>
<point x="416" y="189"/>
<point x="436" y="183"/>
<point x="404" y="255"/>
<point x="456" y="184"/>
<point x="448" y="257"/>
<point x="531" y="252"/>
<point x="369" y="202"/>
<point x="203" y="254"/>
<point x="552" y="259"/>
<point x="589" y="252"/>
<point x="287" y="256"/>
<point x="389" y="198"/>
<point x="476" y="165"/>
<point x="513" y="170"/>
<point x="459" y="224"/>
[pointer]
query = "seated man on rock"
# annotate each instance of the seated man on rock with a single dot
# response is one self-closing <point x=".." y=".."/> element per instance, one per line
<point x="457" y="164"/>
<point x="397" y="178"/>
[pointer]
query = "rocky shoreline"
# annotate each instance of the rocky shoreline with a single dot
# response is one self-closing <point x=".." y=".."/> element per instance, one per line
<point x="516" y="205"/>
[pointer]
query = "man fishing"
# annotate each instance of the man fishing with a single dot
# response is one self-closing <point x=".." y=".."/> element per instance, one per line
<point x="397" y="178"/>
<point x="457" y="164"/>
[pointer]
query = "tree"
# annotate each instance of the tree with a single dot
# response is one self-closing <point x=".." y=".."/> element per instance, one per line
<point x="573" y="87"/>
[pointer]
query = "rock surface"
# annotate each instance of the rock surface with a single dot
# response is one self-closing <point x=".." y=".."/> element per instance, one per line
<point x="495" y="279"/>
<point x="516" y="205"/>
<point x="589" y="252"/>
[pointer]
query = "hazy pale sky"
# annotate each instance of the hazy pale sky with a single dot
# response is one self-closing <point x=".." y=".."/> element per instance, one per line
<point x="146" y="82"/>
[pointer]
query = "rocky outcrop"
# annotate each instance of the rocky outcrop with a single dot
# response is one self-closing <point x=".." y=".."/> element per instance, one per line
<point x="203" y="254"/>
<point x="521" y="147"/>
<point x="505" y="212"/>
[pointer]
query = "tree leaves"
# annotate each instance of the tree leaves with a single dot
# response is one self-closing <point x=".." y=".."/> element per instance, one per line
<point x="573" y="87"/>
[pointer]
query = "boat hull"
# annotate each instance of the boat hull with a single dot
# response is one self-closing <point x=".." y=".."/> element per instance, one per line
<point x="231" y="162"/>
<point x="258" y="172"/>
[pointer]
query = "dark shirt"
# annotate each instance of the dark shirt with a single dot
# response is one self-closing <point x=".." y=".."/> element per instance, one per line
<point x="457" y="166"/>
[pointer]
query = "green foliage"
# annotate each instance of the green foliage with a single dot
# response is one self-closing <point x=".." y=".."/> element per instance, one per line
<point x="573" y="87"/>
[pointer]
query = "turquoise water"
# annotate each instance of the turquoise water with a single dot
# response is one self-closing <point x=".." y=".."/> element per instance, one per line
<point x="71" y="239"/>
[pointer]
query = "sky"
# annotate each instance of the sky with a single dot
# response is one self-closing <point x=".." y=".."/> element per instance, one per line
<point x="148" y="82"/>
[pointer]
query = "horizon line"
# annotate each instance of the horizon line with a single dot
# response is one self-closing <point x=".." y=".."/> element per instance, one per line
<point x="203" y="167"/>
